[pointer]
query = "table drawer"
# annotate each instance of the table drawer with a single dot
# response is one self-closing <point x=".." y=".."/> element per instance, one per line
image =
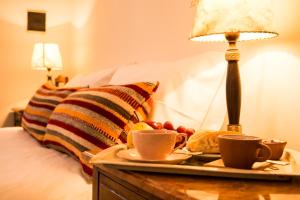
<point x="110" y="190"/>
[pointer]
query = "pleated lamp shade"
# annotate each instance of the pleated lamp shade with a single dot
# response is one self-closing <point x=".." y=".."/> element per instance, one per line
<point x="251" y="18"/>
<point x="46" y="55"/>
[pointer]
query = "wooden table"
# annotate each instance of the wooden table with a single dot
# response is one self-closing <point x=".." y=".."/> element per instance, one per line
<point x="117" y="184"/>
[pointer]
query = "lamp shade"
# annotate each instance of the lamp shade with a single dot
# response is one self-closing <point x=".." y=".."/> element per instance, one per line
<point x="252" y="19"/>
<point x="46" y="56"/>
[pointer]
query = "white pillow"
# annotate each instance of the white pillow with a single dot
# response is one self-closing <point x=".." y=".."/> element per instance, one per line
<point x="76" y="81"/>
<point x="191" y="91"/>
<point x="94" y="79"/>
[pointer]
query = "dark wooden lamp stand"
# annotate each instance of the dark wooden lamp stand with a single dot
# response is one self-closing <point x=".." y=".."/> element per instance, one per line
<point x="233" y="83"/>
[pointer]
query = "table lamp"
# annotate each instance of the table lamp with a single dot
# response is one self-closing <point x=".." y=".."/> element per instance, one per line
<point x="232" y="21"/>
<point x="46" y="56"/>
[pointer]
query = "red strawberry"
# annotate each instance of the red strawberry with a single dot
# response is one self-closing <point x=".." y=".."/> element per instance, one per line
<point x="190" y="131"/>
<point x="181" y="129"/>
<point x="168" y="125"/>
<point x="154" y="125"/>
<point x="158" y="125"/>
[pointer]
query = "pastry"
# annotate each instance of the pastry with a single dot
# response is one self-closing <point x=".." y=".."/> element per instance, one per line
<point x="206" y="141"/>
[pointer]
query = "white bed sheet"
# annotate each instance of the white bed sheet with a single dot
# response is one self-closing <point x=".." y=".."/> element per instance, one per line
<point x="30" y="171"/>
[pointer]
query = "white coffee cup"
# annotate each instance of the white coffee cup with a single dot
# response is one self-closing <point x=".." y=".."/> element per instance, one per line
<point x="156" y="144"/>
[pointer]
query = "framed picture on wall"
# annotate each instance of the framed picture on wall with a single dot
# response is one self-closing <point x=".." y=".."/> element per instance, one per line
<point x="36" y="21"/>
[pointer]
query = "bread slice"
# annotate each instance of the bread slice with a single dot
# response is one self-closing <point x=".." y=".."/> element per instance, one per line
<point x="206" y="141"/>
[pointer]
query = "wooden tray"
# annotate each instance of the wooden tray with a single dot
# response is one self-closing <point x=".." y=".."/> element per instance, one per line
<point x="264" y="171"/>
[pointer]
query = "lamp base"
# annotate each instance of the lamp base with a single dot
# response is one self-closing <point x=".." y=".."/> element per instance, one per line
<point x="234" y="127"/>
<point x="49" y="76"/>
<point x="233" y="83"/>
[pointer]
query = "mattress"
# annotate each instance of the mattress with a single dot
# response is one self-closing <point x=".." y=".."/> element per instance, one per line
<point x="30" y="171"/>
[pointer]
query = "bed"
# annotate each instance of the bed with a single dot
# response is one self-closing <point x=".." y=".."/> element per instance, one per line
<point x="30" y="171"/>
<point x="191" y="92"/>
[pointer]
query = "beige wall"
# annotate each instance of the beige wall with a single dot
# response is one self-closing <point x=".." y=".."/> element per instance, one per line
<point x="121" y="32"/>
<point x="18" y="81"/>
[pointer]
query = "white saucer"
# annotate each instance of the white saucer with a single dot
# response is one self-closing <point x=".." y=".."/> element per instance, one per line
<point x="132" y="155"/>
